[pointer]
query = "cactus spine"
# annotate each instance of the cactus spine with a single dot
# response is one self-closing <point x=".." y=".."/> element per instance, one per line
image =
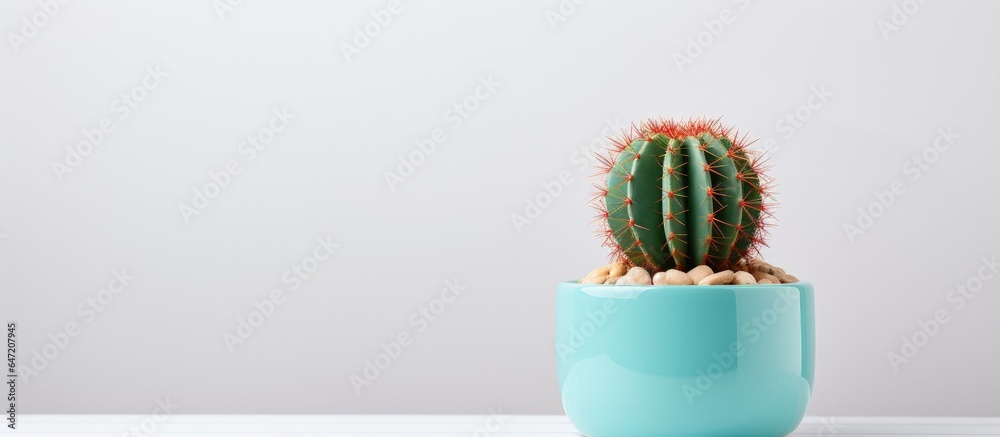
<point x="677" y="194"/>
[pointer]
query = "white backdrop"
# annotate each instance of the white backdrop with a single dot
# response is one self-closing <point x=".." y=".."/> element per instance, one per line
<point x="412" y="177"/>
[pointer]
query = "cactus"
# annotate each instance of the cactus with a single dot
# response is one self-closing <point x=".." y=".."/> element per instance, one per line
<point x="677" y="194"/>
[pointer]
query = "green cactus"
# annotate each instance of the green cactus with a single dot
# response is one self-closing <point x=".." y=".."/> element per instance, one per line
<point x="677" y="194"/>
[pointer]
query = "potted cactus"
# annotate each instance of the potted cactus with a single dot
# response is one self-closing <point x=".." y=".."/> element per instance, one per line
<point x="687" y="332"/>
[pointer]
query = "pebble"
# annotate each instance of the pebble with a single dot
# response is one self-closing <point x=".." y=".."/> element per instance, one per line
<point x="611" y="280"/>
<point x="597" y="276"/>
<point x="759" y="276"/>
<point x="722" y="278"/>
<point x="743" y="278"/>
<point x="617" y="269"/>
<point x="759" y="265"/>
<point x="635" y="276"/>
<point x="672" y="277"/>
<point x="766" y="281"/>
<point x="699" y="273"/>
<point x="788" y="279"/>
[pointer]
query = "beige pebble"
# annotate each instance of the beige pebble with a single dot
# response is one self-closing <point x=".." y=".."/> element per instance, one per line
<point x="611" y="280"/>
<point x="699" y="273"/>
<point x="635" y="276"/>
<point x="596" y="276"/>
<point x="767" y="267"/>
<point x="722" y="278"/>
<point x="660" y="278"/>
<point x="788" y="279"/>
<point x="744" y="278"/>
<point x="617" y="269"/>
<point x="766" y="281"/>
<point x="758" y="275"/>
<point x="672" y="277"/>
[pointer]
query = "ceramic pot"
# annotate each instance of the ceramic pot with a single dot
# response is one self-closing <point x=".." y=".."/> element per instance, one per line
<point x="685" y="360"/>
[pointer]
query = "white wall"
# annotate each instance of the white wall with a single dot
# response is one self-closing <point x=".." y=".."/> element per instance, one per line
<point x="324" y="174"/>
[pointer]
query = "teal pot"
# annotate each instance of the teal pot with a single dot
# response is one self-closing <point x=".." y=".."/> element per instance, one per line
<point x="723" y="360"/>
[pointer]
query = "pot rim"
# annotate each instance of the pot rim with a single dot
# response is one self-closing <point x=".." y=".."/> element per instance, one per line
<point x="631" y="291"/>
<point x="703" y="287"/>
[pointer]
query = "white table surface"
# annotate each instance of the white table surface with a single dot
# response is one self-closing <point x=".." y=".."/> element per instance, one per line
<point x="443" y="425"/>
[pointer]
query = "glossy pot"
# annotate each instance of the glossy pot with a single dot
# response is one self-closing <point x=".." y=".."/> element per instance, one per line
<point x="685" y="360"/>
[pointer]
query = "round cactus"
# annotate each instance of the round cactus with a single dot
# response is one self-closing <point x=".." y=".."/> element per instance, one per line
<point x="677" y="194"/>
